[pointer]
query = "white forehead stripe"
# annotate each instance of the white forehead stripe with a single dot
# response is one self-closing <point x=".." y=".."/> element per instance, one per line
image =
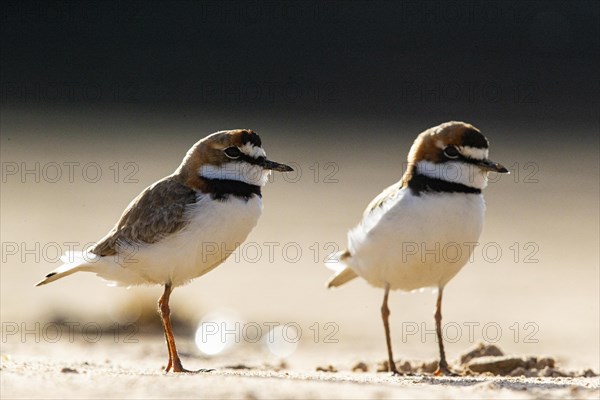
<point x="474" y="152"/>
<point x="253" y="151"/>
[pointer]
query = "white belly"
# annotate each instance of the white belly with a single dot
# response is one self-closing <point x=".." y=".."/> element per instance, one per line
<point x="215" y="230"/>
<point x="416" y="242"/>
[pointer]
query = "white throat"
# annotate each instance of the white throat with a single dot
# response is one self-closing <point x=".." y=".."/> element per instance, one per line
<point x="236" y="171"/>
<point x="454" y="171"/>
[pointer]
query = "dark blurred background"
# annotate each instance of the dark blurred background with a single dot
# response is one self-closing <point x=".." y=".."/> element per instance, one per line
<point x="418" y="60"/>
<point x="340" y="88"/>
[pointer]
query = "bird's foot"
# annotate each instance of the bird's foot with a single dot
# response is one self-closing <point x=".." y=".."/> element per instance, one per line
<point x="394" y="372"/>
<point x="187" y="371"/>
<point x="180" y="369"/>
<point x="201" y="370"/>
<point x="444" y="371"/>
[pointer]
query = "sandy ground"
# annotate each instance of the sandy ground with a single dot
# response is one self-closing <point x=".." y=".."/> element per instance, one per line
<point x="540" y="296"/>
<point x="109" y="370"/>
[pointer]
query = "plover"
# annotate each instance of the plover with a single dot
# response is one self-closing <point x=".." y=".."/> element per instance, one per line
<point x="420" y="231"/>
<point x="184" y="225"/>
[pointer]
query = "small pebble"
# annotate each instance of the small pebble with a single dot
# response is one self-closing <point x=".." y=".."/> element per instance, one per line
<point x="361" y="366"/>
<point x="429" y="367"/>
<point x="519" y="371"/>
<point x="502" y="365"/>
<point x="482" y="350"/>
<point x="406" y="367"/>
<point x="545" y="362"/>
<point x="383" y="367"/>
<point x="329" y="368"/>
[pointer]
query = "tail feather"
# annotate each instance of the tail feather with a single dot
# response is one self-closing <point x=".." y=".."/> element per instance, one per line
<point x="343" y="273"/>
<point x="74" y="262"/>
<point x="341" y="278"/>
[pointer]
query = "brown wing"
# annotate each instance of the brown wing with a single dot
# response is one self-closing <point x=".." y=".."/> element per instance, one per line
<point x="382" y="198"/>
<point x="155" y="213"/>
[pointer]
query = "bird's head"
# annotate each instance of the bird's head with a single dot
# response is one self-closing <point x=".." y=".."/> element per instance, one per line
<point x="229" y="155"/>
<point x="454" y="152"/>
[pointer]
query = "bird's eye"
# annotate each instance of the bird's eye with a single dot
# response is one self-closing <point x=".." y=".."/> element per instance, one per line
<point x="232" y="152"/>
<point x="451" y="152"/>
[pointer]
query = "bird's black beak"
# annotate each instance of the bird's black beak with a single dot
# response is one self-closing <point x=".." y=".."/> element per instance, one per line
<point x="275" y="166"/>
<point x="492" y="166"/>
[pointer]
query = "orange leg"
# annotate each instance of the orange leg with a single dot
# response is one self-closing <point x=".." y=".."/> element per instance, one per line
<point x="165" y="313"/>
<point x="385" y="314"/>
<point x="443" y="364"/>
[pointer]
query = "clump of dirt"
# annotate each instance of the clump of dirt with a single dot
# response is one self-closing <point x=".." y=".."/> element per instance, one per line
<point x="410" y="367"/>
<point x="361" y="367"/>
<point x="481" y="350"/>
<point x="487" y="360"/>
<point x="490" y="360"/>
<point x="329" y="368"/>
<point x="264" y="367"/>
<point x="239" y="367"/>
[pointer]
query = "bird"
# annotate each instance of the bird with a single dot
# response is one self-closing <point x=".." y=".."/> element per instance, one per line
<point x="437" y="204"/>
<point x="184" y="225"/>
